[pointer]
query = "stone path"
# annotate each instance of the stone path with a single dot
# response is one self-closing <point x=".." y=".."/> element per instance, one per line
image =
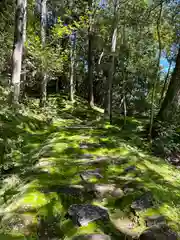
<point x="83" y="214"/>
<point x="95" y="185"/>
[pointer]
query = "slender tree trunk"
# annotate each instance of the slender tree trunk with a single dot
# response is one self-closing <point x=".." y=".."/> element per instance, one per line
<point x="172" y="99"/>
<point x="19" y="31"/>
<point x="125" y="110"/>
<point x="157" y="69"/>
<point x="23" y="76"/>
<point x="72" y="64"/>
<point x="43" y="96"/>
<point x="165" y="83"/>
<point x="108" y="97"/>
<point x="90" y="58"/>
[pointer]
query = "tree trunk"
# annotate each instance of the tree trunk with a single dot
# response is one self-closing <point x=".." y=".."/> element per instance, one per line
<point x="90" y="58"/>
<point x="108" y="96"/>
<point x="23" y="76"/>
<point x="19" y="32"/>
<point x="172" y="99"/>
<point x="72" y="64"/>
<point x="43" y="95"/>
<point x="157" y="69"/>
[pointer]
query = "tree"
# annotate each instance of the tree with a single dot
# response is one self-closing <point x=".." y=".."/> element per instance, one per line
<point x="108" y="97"/>
<point x="90" y="57"/>
<point x="72" y="65"/>
<point x="157" y="74"/>
<point x="44" y="80"/>
<point x="172" y="99"/>
<point x="19" y="33"/>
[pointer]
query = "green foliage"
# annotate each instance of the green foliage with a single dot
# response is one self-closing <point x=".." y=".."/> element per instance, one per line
<point x="166" y="140"/>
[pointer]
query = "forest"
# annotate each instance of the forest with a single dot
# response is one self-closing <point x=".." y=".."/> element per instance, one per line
<point x="89" y="119"/>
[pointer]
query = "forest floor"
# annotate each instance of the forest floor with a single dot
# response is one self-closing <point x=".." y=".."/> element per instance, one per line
<point x="47" y="154"/>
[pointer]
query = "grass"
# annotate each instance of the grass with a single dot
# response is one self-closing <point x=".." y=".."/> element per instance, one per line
<point x="41" y="150"/>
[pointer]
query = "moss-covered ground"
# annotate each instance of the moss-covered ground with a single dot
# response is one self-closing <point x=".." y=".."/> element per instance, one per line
<point x="41" y="152"/>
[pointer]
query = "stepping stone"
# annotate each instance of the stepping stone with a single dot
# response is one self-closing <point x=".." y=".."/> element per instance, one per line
<point x="106" y="190"/>
<point x="159" y="232"/>
<point x="94" y="236"/>
<point x="89" y="174"/>
<point x="83" y="214"/>
<point x="143" y="202"/>
<point x="154" y="220"/>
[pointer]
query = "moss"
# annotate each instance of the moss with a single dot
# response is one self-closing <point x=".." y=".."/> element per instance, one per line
<point x="48" y="154"/>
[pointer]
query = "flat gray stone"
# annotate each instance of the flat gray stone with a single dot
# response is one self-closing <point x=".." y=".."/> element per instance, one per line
<point x="88" y="174"/>
<point x="154" y="220"/>
<point x="94" y="236"/>
<point x="106" y="190"/>
<point x="143" y="202"/>
<point x="159" y="232"/>
<point x="83" y="214"/>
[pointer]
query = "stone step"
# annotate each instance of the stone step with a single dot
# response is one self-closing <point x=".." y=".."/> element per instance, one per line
<point x="83" y="214"/>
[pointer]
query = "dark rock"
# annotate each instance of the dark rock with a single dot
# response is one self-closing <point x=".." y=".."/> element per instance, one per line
<point x="159" y="232"/>
<point x="130" y="169"/>
<point x="106" y="190"/>
<point x="154" y="220"/>
<point x="143" y="202"/>
<point x="94" y="236"/>
<point x="83" y="214"/>
<point x="87" y="175"/>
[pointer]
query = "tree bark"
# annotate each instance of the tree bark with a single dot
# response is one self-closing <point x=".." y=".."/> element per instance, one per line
<point x="72" y="64"/>
<point x="43" y="95"/>
<point x="19" y="32"/>
<point x="108" y="96"/>
<point x="90" y="58"/>
<point x="172" y="99"/>
<point x="157" y="69"/>
<point x="23" y="76"/>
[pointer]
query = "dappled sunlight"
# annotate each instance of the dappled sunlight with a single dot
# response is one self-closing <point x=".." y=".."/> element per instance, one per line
<point x="48" y="178"/>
